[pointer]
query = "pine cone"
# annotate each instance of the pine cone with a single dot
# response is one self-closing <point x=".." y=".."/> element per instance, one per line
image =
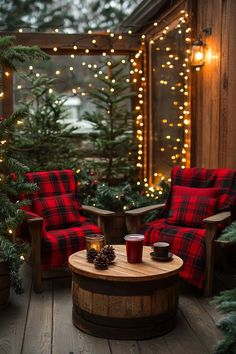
<point x="101" y="261"/>
<point x="109" y="251"/>
<point x="91" y="254"/>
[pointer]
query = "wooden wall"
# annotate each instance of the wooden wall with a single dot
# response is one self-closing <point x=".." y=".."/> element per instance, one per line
<point x="214" y="87"/>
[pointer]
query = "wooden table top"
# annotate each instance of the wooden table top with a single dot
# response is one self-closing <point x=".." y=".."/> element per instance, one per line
<point x="121" y="270"/>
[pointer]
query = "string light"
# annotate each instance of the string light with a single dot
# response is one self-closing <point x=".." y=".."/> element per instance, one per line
<point x="138" y="78"/>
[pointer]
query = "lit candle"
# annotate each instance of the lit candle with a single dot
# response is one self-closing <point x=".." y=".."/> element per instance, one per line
<point x="95" y="241"/>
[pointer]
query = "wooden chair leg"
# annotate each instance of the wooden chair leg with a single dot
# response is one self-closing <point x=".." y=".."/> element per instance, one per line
<point x="35" y="232"/>
<point x="210" y="257"/>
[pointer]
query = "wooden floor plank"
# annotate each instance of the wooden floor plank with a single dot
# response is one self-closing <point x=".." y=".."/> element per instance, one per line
<point x="67" y="338"/>
<point x="124" y="347"/>
<point x="183" y="339"/>
<point x="13" y="317"/>
<point x="201" y="323"/>
<point x="154" y="346"/>
<point x="39" y="323"/>
<point x="44" y="325"/>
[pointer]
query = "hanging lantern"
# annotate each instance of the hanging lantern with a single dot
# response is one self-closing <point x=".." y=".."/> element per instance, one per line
<point x="197" y="54"/>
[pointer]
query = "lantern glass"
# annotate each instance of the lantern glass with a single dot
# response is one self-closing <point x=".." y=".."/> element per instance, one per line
<point x="95" y="241"/>
<point x="197" y="55"/>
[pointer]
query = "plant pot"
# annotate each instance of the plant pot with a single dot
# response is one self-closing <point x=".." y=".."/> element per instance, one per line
<point x="115" y="228"/>
<point x="4" y="284"/>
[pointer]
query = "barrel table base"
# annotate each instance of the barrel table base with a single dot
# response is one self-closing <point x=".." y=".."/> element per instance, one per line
<point x="125" y="310"/>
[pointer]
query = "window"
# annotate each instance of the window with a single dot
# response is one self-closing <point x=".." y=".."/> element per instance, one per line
<point x="169" y="101"/>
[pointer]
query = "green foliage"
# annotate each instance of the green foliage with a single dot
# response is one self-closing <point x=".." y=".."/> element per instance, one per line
<point x="12" y="184"/>
<point x="126" y="196"/>
<point x="98" y="14"/>
<point x="40" y="15"/>
<point x="12" y="171"/>
<point x="80" y="15"/>
<point x="229" y="233"/>
<point x="10" y="54"/>
<point x="226" y="302"/>
<point x="113" y="135"/>
<point x="45" y="141"/>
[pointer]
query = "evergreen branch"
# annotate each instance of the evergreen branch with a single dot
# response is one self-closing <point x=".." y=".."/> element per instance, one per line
<point x="229" y="233"/>
<point x="10" y="54"/>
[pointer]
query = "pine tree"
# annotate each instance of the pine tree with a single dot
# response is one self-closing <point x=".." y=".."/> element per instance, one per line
<point x="46" y="15"/>
<point x="12" y="182"/>
<point x="45" y="141"/>
<point x="226" y="302"/>
<point x="40" y="15"/>
<point x="103" y="14"/>
<point x="229" y="233"/>
<point x="113" y="135"/>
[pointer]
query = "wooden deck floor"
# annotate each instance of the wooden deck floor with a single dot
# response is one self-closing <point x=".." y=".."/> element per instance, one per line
<point x="41" y="323"/>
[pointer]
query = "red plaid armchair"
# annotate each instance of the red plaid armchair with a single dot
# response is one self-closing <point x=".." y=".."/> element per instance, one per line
<point x="200" y="204"/>
<point x="55" y="224"/>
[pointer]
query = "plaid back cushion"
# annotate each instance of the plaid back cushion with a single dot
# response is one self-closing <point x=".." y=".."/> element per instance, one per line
<point x="190" y="211"/>
<point x="52" y="182"/>
<point x="224" y="179"/>
<point x="195" y="192"/>
<point x="59" y="211"/>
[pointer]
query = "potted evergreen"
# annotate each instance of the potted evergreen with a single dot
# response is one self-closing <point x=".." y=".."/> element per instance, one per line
<point x="120" y="198"/>
<point x="12" y="180"/>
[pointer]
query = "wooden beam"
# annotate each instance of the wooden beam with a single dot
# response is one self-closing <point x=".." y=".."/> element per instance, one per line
<point x="96" y="43"/>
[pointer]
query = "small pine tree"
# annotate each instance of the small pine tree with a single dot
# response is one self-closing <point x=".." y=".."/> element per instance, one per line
<point x="45" y="141"/>
<point x="113" y="135"/>
<point x="226" y="302"/>
<point x="12" y="172"/>
<point x="229" y="233"/>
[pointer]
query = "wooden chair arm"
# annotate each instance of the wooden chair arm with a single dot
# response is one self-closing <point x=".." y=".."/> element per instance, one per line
<point x="97" y="211"/>
<point x="32" y="217"/>
<point x="211" y="224"/>
<point x="217" y="218"/>
<point x="133" y="217"/>
<point x="101" y="216"/>
<point x="144" y="210"/>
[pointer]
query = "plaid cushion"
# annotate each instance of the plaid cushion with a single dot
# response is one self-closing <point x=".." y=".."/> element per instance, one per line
<point x="190" y="211"/>
<point x="58" y="245"/>
<point x="223" y="179"/>
<point x="52" y="182"/>
<point x="59" y="211"/>
<point x="195" y="192"/>
<point x="187" y="243"/>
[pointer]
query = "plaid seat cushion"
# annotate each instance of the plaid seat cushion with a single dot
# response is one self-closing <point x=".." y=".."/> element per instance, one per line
<point x="58" y="211"/>
<point x="187" y="243"/>
<point x="190" y="211"/>
<point x="58" y="245"/>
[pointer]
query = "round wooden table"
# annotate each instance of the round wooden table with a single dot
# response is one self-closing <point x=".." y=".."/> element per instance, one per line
<point x="126" y="301"/>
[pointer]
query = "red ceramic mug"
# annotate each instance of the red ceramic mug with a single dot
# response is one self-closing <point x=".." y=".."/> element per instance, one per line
<point x="134" y="248"/>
